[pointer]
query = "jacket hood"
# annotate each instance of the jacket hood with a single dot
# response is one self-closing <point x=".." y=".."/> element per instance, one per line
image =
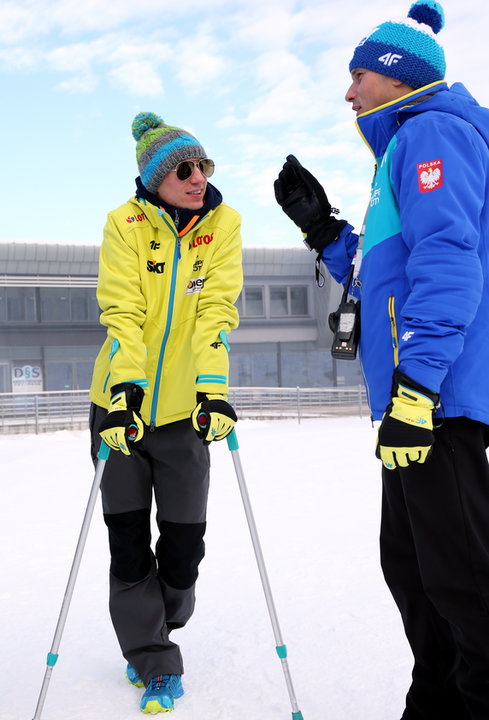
<point x="378" y="126"/>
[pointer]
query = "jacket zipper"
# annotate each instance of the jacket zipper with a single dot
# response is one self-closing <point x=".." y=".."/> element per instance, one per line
<point x="171" y="303"/>
<point x="367" y="388"/>
<point x="392" y="318"/>
<point x="176" y="257"/>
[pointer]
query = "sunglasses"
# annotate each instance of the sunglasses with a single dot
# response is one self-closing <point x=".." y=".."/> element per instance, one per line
<point x="185" y="169"/>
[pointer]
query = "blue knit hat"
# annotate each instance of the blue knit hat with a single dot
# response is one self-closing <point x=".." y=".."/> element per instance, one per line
<point x="406" y="49"/>
<point x="160" y="147"/>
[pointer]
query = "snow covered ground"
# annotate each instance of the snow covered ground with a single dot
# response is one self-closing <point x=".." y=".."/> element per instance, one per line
<point x="315" y="492"/>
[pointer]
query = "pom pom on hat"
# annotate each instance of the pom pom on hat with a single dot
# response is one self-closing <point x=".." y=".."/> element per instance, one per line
<point x="160" y="147"/>
<point x="429" y="13"/>
<point x="406" y="49"/>
<point x="143" y="122"/>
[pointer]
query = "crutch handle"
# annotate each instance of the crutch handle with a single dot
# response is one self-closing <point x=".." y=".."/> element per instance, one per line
<point x="232" y="440"/>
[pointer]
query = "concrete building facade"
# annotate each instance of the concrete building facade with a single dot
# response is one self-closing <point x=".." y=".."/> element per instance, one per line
<point x="50" y="332"/>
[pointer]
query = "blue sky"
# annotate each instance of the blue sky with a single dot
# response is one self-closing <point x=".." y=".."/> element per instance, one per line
<point x="254" y="80"/>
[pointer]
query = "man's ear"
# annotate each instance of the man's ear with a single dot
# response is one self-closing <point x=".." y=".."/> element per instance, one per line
<point x="400" y="85"/>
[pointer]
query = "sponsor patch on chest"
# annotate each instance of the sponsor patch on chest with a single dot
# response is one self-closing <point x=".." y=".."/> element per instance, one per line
<point x="195" y="285"/>
<point x="430" y="175"/>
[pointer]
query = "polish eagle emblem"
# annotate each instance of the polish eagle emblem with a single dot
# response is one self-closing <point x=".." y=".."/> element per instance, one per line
<point x="430" y="175"/>
<point x="430" y="178"/>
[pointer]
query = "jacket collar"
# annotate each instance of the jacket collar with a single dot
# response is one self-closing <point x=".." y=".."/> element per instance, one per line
<point x="184" y="219"/>
<point x="377" y="127"/>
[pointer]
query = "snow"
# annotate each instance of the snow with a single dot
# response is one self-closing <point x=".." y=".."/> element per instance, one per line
<point x="315" y="491"/>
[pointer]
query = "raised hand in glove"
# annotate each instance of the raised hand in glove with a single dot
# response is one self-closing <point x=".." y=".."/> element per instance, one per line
<point x="123" y="423"/>
<point x="213" y="418"/>
<point x="406" y="432"/>
<point x="303" y="200"/>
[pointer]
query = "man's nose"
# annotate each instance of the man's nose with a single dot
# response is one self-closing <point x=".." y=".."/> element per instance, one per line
<point x="350" y="95"/>
<point x="197" y="175"/>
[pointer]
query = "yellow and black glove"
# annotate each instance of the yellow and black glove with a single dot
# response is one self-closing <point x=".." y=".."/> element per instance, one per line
<point x="213" y="418"/>
<point x="406" y="432"/>
<point x="123" y="422"/>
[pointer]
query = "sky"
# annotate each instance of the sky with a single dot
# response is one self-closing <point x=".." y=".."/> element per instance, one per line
<point x="317" y="516"/>
<point x="252" y="80"/>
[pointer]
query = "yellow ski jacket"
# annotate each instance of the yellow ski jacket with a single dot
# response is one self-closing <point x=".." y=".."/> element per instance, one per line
<point x="167" y="300"/>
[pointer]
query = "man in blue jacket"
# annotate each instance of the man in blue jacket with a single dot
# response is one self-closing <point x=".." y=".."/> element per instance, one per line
<point x="420" y="267"/>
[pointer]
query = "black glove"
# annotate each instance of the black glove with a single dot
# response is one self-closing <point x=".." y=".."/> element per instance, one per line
<point x="406" y="432"/>
<point x="122" y="422"/>
<point x="303" y="200"/>
<point x="213" y="418"/>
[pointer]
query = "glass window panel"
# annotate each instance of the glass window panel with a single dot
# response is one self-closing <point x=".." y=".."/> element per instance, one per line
<point x="59" y="376"/>
<point x="21" y="304"/>
<point x="55" y="305"/>
<point x="79" y="304"/>
<point x="254" y="302"/>
<point x="93" y="308"/>
<point x="278" y="301"/>
<point x="3" y="304"/>
<point x="84" y="372"/>
<point x="298" y="301"/>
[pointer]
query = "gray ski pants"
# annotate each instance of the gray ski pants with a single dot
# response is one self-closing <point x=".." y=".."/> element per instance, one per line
<point x="153" y="591"/>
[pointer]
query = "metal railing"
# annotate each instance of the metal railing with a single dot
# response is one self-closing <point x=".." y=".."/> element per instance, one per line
<point x="68" y="409"/>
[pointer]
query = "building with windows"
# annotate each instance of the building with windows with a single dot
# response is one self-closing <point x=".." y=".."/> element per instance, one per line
<point x="50" y="333"/>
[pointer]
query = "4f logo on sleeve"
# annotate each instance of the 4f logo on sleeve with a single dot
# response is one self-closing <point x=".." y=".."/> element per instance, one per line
<point x="430" y="175"/>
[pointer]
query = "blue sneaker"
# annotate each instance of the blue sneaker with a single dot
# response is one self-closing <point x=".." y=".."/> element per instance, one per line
<point x="133" y="676"/>
<point x="161" y="692"/>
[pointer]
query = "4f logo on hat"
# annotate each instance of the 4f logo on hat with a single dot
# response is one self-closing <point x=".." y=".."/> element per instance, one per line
<point x="390" y="58"/>
<point x="430" y="175"/>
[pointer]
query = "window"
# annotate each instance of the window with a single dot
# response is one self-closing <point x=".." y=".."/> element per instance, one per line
<point x="288" y="300"/>
<point x="55" y="304"/>
<point x="298" y="300"/>
<point x="83" y="305"/>
<point x="66" y="304"/>
<point x="250" y="302"/>
<point x="17" y="304"/>
<point x="278" y="301"/>
<point x="69" y="367"/>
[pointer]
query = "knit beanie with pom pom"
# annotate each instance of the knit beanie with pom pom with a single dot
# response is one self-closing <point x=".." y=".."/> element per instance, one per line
<point x="160" y="147"/>
<point x="406" y="49"/>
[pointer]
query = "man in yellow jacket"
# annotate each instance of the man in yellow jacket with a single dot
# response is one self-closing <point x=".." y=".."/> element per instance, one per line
<point x="170" y="273"/>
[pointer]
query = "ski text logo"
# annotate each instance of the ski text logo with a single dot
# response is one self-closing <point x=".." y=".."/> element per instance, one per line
<point x="375" y="199"/>
<point x="205" y="239"/>
<point x="407" y="335"/>
<point x="430" y="175"/>
<point x="389" y="59"/>
<point x="136" y="218"/>
<point x="155" y="267"/>
<point x="195" y="285"/>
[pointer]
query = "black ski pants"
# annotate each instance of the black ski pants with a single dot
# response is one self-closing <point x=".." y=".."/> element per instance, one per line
<point x="153" y="591"/>
<point x="434" y="545"/>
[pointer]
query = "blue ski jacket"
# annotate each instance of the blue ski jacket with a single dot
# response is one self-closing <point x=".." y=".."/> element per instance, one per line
<point x="424" y="274"/>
